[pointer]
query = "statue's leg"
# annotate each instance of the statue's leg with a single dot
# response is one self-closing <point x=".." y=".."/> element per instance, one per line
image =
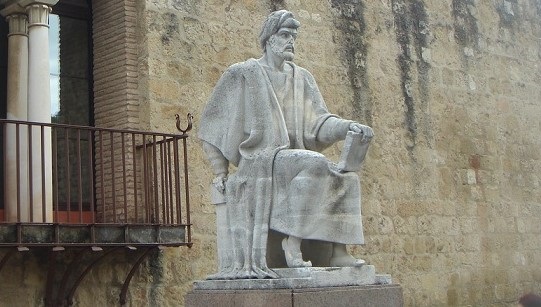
<point x="243" y="248"/>
<point x="292" y="250"/>
<point x="341" y="258"/>
<point x="224" y="245"/>
<point x="301" y="174"/>
<point x="241" y="228"/>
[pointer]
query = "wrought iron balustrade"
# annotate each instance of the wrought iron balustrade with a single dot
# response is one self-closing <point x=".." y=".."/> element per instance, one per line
<point x="93" y="186"/>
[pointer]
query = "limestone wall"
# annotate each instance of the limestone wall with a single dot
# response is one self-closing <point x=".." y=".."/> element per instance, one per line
<point x="451" y="185"/>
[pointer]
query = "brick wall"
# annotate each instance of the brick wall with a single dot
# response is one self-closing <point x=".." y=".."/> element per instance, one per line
<point x="116" y="96"/>
<point x="116" y="93"/>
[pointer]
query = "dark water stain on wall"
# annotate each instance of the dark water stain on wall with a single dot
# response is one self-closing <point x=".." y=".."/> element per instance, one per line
<point x="413" y="36"/>
<point x="276" y="5"/>
<point x="466" y="34"/>
<point x="171" y="27"/>
<point x="156" y="268"/>
<point x="465" y="24"/>
<point x="350" y="22"/>
<point x="421" y="38"/>
<point x="403" y="25"/>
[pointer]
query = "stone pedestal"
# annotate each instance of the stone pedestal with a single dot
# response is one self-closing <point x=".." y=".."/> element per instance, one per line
<point x="313" y="286"/>
<point x="365" y="296"/>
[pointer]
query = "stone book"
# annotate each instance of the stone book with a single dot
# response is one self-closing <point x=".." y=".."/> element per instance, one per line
<point x="353" y="152"/>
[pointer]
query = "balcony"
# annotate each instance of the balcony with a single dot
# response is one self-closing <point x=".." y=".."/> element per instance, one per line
<point x="87" y="189"/>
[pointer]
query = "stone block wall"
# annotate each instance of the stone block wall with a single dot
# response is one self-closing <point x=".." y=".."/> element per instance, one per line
<point x="451" y="185"/>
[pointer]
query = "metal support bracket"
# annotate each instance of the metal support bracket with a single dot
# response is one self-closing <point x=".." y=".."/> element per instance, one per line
<point x="136" y="265"/>
<point x="77" y="269"/>
<point x="71" y="293"/>
<point x="6" y="258"/>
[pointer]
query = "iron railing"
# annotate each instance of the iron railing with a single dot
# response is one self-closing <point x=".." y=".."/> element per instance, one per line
<point x="67" y="174"/>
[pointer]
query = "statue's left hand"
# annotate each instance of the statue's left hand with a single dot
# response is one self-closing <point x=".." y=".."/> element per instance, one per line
<point x="366" y="131"/>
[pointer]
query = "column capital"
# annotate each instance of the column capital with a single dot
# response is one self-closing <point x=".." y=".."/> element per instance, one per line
<point x="18" y="24"/>
<point x="38" y="14"/>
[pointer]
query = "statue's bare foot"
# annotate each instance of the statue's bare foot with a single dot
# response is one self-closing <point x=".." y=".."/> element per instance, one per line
<point x="264" y="272"/>
<point x="294" y="258"/>
<point x="246" y="273"/>
<point x="346" y="261"/>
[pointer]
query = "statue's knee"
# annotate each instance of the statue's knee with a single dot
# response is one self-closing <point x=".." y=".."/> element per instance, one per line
<point x="316" y="165"/>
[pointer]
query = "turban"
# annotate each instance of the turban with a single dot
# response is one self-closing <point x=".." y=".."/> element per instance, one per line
<point x="275" y="21"/>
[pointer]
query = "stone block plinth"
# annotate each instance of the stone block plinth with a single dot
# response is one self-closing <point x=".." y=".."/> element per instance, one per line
<point x="311" y="287"/>
<point x="295" y="278"/>
<point x="366" y="296"/>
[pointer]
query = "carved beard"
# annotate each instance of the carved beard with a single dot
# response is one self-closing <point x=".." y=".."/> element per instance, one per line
<point x="280" y="50"/>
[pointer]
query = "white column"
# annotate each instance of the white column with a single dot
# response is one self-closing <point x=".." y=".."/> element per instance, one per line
<point x="39" y="110"/>
<point x="17" y="67"/>
<point x="16" y="153"/>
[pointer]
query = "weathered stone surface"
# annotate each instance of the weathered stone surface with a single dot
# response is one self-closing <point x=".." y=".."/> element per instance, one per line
<point x="36" y="234"/>
<point x="241" y="298"/>
<point x="73" y="235"/>
<point x="8" y="233"/>
<point x="142" y="235"/>
<point x="171" y="234"/>
<point x="109" y="234"/>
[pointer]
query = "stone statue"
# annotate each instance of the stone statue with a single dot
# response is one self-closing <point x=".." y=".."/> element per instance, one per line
<point x="267" y="118"/>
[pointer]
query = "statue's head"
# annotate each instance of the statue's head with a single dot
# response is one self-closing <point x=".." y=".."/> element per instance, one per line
<point x="279" y="32"/>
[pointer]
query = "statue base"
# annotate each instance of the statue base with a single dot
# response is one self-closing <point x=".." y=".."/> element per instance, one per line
<point x="365" y="296"/>
<point x="314" y="286"/>
<point x="295" y="278"/>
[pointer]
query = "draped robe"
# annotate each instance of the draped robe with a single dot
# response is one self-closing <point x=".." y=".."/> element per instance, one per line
<point x="245" y="122"/>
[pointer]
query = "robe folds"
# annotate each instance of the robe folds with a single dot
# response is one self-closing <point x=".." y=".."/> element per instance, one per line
<point x="282" y="184"/>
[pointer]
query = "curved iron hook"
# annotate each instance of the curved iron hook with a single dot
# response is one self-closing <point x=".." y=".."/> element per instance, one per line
<point x="189" y="117"/>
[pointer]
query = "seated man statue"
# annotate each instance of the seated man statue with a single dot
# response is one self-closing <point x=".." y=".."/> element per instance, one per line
<point x="268" y="119"/>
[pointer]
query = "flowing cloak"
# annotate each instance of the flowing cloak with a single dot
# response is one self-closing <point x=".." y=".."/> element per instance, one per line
<point x="244" y="121"/>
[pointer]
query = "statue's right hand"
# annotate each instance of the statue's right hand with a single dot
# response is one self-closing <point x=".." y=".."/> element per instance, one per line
<point x="219" y="182"/>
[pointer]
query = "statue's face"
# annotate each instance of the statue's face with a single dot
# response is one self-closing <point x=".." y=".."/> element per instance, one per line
<point x="282" y="43"/>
